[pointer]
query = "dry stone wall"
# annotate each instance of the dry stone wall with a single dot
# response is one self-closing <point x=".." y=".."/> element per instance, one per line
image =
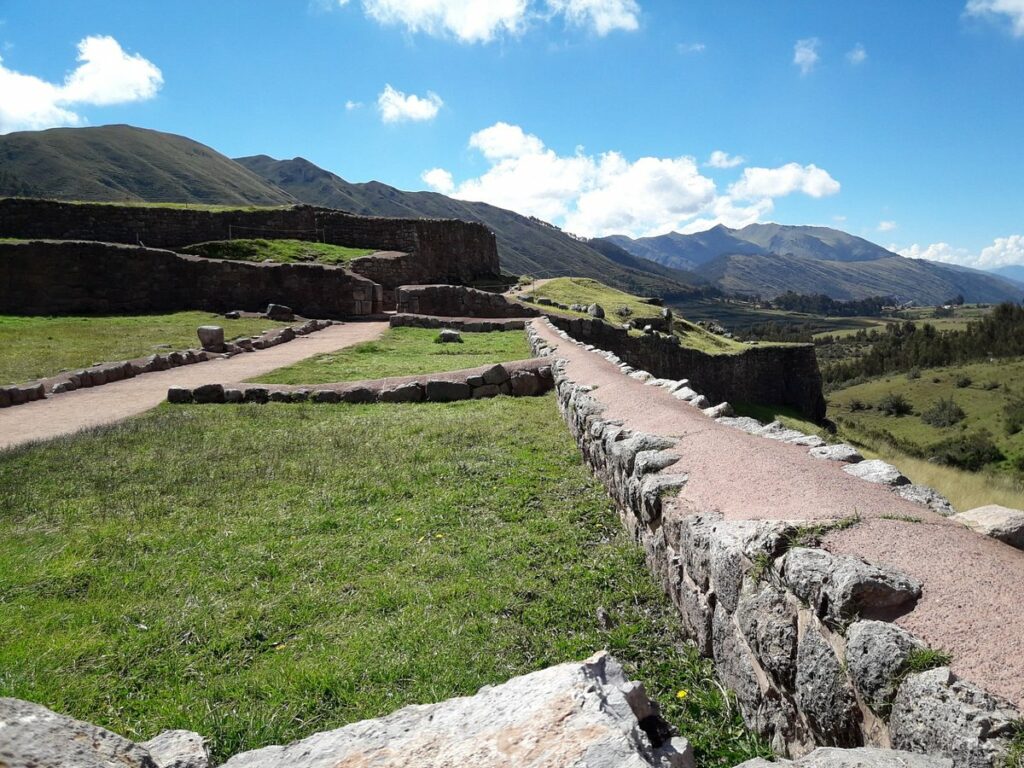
<point x="803" y="637"/>
<point x="457" y="301"/>
<point x="783" y="375"/>
<point x="68" y="277"/>
<point x="430" y="250"/>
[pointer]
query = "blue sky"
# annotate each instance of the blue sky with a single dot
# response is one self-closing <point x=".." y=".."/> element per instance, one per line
<point x="897" y="121"/>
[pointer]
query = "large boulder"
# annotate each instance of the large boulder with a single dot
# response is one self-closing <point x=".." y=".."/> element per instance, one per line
<point x="595" y="310"/>
<point x="211" y="337"/>
<point x="1001" y="523"/>
<point x="573" y="714"/>
<point x="859" y="757"/>
<point x="280" y="312"/>
<point x="877" y="471"/>
<point x="877" y="654"/>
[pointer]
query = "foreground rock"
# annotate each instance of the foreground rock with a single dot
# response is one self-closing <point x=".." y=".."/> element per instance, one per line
<point x="1001" y="523"/>
<point x="862" y="757"/>
<point x="571" y="715"/>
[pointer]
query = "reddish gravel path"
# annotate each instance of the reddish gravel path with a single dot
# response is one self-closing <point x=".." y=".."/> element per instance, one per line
<point x="973" y="585"/>
<point x="92" y="407"/>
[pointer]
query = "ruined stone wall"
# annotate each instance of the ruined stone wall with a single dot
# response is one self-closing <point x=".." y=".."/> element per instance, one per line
<point x="784" y="375"/>
<point x="801" y="636"/>
<point x="457" y="301"/>
<point x="430" y="250"/>
<point x="71" y="277"/>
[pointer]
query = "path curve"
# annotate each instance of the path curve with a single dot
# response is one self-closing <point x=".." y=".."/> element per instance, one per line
<point x="92" y="407"/>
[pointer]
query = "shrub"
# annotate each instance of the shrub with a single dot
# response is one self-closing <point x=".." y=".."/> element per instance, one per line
<point x="970" y="452"/>
<point x="858" y="405"/>
<point x="895" y="404"/>
<point x="1013" y="412"/>
<point x="988" y="386"/>
<point x="623" y="311"/>
<point x="945" y="413"/>
<point x="936" y="380"/>
<point x="963" y="381"/>
<point x="913" y="373"/>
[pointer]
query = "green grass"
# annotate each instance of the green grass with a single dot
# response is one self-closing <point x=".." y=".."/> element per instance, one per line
<point x="923" y="659"/>
<point x="404" y="352"/>
<point x="261" y="573"/>
<point x="35" y="347"/>
<point x="581" y="290"/>
<point x="284" y="251"/>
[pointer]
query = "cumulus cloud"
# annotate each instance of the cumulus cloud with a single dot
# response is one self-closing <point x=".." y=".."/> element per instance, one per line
<point x="481" y="21"/>
<point x="720" y="159"/>
<point x="601" y="194"/>
<point x="1004" y="251"/>
<point x="105" y="75"/>
<point x="886" y="226"/>
<point x="785" y="180"/>
<point x="857" y="55"/>
<point x="805" y="54"/>
<point x="397" y="107"/>
<point x="1013" y="10"/>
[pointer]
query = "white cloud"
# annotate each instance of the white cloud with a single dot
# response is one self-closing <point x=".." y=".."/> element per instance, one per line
<point x="805" y="54"/>
<point x="720" y="159"/>
<point x="1012" y="9"/>
<point x="482" y="21"/>
<point x="886" y="226"/>
<point x="691" y="47"/>
<point x="397" y="107"/>
<point x="602" y="16"/>
<point x="785" y="180"/>
<point x="1004" y="251"/>
<point x="105" y="75"/>
<point x="857" y="55"/>
<point x="607" y="193"/>
<point x="351" y="106"/>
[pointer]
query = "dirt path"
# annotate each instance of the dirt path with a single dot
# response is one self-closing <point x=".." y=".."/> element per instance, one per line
<point x="973" y="585"/>
<point x="84" y="408"/>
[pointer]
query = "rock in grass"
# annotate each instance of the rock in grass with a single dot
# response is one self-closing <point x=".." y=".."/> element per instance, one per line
<point x="859" y="757"/>
<point x="280" y="312"/>
<point x="178" y="749"/>
<point x="595" y="310"/>
<point x="211" y="337"/>
<point x="404" y="393"/>
<point x="449" y="336"/>
<point x="208" y="393"/>
<point x="179" y="395"/>
<point x="570" y="715"/>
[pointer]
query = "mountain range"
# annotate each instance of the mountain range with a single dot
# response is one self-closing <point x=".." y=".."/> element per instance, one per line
<point x="125" y="163"/>
<point x="769" y="259"/>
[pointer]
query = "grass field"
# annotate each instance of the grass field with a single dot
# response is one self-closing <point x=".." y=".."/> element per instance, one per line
<point x="35" y="347"/>
<point x="581" y="290"/>
<point x="404" y="352"/>
<point x="261" y="573"/>
<point x="284" y="251"/>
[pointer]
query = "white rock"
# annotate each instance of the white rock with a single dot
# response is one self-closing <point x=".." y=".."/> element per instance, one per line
<point x="716" y="411"/>
<point x="178" y="749"/>
<point x="876" y="471"/>
<point x="641" y="375"/>
<point x="570" y="715"/>
<point x="684" y="393"/>
<point x="841" y="452"/>
<point x="1003" y="523"/>
<point x="699" y="402"/>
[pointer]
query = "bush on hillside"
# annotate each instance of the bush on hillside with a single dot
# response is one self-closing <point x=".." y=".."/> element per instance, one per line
<point x="895" y="404"/>
<point x="963" y="381"/>
<point x="1013" y="412"/>
<point x="970" y="452"/>
<point x="945" y="413"/>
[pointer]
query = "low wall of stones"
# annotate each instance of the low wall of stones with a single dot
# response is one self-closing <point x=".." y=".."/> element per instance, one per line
<point x="434" y="250"/>
<point x="803" y="637"/>
<point x="784" y="375"/>
<point x="79" y="277"/>
<point x="457" y="301"/>
<point x="521" y="378"/>
<point x="468" y="324"/>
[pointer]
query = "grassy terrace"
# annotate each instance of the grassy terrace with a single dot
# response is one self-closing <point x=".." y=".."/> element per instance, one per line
<point x="580" y="290"/>
<point x="260" y="573"/>
<point x="284" y="251"/>
<point x="35" y="347"/>
<point x="404" y="352"/>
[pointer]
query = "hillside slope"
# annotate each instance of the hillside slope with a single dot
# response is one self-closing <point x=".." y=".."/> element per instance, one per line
<point x="123" y="163"/>
<point x="525" y="245"/>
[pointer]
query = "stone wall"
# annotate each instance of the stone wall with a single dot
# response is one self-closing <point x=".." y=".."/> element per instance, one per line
<point x="457" y="301"/>
<point x="783" y="375"/>
<point x="802" y="637"/>
<point x="431" y="250"/>
<point x="75" y="277"/>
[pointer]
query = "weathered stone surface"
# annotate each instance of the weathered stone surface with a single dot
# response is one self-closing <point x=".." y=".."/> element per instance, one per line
<point x="326" y="396"/>
<point x="734" y="662"/>
<point x="700" y="402"/>
<point x="859" y="757"/>
<point x="487" y="390"/>
<point x="280" y="312"/>
<point x="439" y="391"/>
<point x="929" y="497"/>
<point x="841" y="588"/>
<point x="744" y="423"/>
<point x="999" y="522"/>
<point x="359" y="395"/>
<point x="257" y="395"/>
<point x="824" y="694"/>
<point x="595" y="310"/>
<point x="570" y="715"/>
<point x="211" y="337"/>
<point x="769" y="623"/>
<point x="234" y="314"/>
<point x="179" y="395"/>
<point x="877" y="471"/>
<point x="178" y="749"/>
<point x="405" y="393"/>
<point x="233" y="396"/>
<point x="32" y="736"/>
<point x="841" y="452"/>
<point x="281" y="396"/>
<point x="936" y="712"/>
<point x="496" y="374"/>
<point x="449" y="336"/>
<point x="876" y="655"/>
<point x="208" y="393"/>
<point x="525" y="384"/>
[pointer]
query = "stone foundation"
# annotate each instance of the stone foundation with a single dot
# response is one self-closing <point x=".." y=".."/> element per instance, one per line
<point x="457" y="301"/>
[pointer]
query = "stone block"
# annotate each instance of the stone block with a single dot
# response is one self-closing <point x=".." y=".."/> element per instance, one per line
<point x="179" y="395"/>
<point x="824" y="694"/>
<point x="440" y="391"/>
<point x="359" y="395"/>
<point x="279" y="312"/>
<point x="326" y="396"/>
<point x="877" y="471"/>
<point x="1002" y="523"/>
<point x="211" y="337"/>
<point x="844" y="453"/>
<point x="496" y="374"/>
<point x="208" y="393"/>
<point x="485" y="391"/>
<point x="404" y="393"/>
<point x="233" y="396"/>
<point x="876" y="655"/>
<point x="178" y="749"/>
<point x="257" y="395"/>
